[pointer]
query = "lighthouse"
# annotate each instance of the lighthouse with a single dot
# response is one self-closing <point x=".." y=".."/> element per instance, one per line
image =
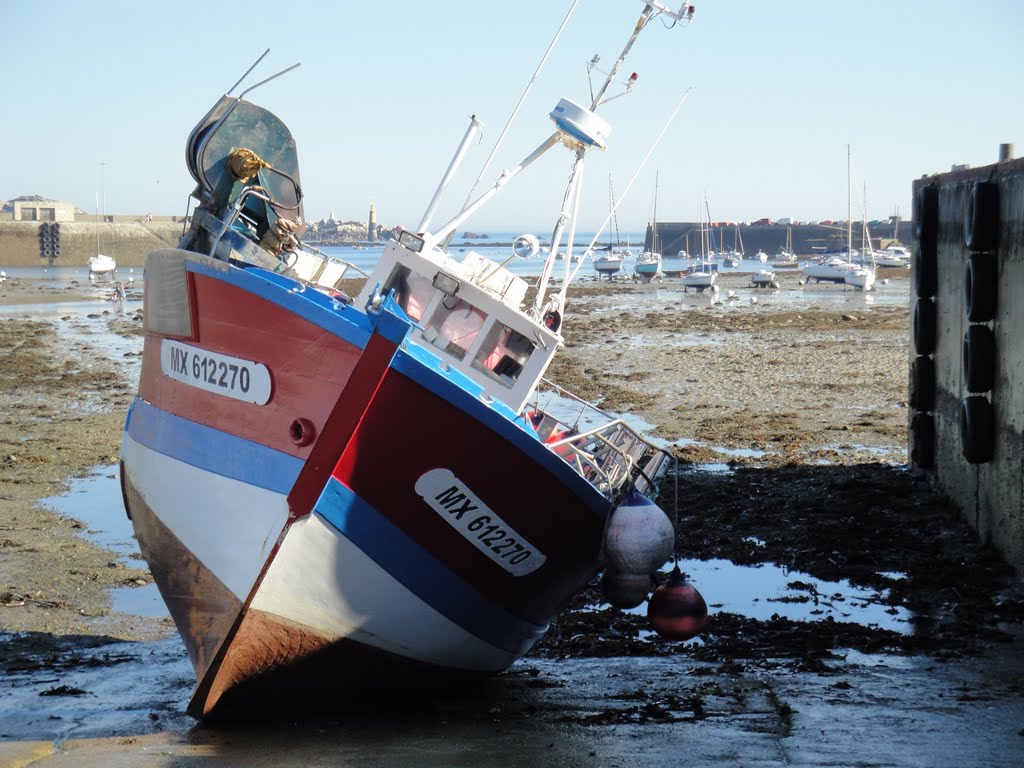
<point x="371" y="230"/>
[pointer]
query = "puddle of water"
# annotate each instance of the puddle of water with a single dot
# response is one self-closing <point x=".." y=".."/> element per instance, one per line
<point x="96" y="502"/>
<point x="762" y="591"/>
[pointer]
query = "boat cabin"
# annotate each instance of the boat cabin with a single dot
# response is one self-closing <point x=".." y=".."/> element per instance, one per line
<point x="468" y="313"/>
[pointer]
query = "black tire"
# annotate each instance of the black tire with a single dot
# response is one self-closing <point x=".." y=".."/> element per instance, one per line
<point x="926" y="213"/>
<point x="922" y="441"/>
<point x="980" y="288"/>
<point x="924" y="326"/>
<point x="977" y="429"/>
<point x="922" y="384"/>
<point x="979" y="358"/>
<point x="926" y="269"/>
<point x="981" y="217"/>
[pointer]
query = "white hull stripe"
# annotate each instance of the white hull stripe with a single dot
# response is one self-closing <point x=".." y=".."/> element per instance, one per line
<point x="205" y="511"/>
<point x="211" y="449"/>
<point x="422" y="574"/>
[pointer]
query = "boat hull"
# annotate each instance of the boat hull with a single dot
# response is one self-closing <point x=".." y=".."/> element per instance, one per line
<point x="341" y="525"/>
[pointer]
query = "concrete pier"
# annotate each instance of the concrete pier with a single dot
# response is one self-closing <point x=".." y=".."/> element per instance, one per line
<point x="967" y="353"/>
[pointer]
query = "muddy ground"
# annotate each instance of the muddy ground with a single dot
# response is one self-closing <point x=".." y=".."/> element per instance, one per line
<point x="801" y="409"/>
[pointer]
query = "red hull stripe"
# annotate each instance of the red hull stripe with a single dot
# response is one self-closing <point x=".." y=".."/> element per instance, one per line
<point x="210" y="449"/>
<point x="429" y="579"/>
<point x="340" y="424"/>
<point x="310" y="304"/>
<point x="463" y="393"/>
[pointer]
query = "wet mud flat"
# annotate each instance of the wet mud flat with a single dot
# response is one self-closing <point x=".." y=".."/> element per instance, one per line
<point x="86" y="685"/>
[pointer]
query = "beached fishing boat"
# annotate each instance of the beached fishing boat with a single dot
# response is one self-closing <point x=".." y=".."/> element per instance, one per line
<point x="340" y="494"/>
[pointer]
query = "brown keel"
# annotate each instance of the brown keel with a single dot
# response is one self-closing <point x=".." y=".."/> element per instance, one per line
<point x="203" y="609"/>
<point x="275" y="663"/>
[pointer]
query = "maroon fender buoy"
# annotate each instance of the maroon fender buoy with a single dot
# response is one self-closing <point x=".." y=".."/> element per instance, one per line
<point x="979" y="358"/>
<point x="924" y="326"/>
<point x="922" y="384"/>
<point x="977" y="429"/>
<point x="624" y="590"/>
<point x="980" y="287"/>
<point x="676" y="610"/>
<point x="981" y="217"/>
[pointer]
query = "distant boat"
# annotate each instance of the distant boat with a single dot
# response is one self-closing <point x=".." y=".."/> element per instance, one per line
<point x="838" y="266"/>
<point x="703" y="274"/>
<point x="101" y="264"/>
<point x="648" y="263"/>
<point x="763" y="278"/>
<point x="610" y="260"/>
<point x="785" y="258"/>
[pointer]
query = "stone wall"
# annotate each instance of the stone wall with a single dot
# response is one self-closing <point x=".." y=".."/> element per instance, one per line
<point x="127" y="242"/>
<point x="967" y="355"/>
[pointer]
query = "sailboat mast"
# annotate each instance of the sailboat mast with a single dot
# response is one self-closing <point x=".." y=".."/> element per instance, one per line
<point x="849" y="220"/>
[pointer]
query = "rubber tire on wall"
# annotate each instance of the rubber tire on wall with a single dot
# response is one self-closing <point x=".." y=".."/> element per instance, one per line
<point x="926" y="213"/>
<point x="924" y="326"/>
<point x="979" y="358"/>
<point x="981" y="217"/>
<point x="977" y="429"/>
<point x="922" y="384"/>
<point x="922" y="441"/>
<point x="926" y="269"/>
<point x="980" y="288"/>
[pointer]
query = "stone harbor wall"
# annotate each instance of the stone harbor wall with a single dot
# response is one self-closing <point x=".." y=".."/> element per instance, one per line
<point x="967" y="357"/>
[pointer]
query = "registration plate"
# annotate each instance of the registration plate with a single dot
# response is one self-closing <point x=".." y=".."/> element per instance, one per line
<point x="243" y="380"/>
<point x="466" y="513"/>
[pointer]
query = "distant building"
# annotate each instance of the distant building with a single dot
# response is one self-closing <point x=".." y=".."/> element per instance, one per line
<point x="35" y="208"/>
<point x="371" y="229"/>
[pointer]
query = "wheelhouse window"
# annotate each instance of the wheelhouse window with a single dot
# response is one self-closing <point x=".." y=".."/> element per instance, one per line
<point x="412" y="292"/>
<point x="503" y="354"/>
<point x="454" y="325"/>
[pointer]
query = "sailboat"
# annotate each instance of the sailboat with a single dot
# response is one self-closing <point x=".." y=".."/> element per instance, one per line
<point x="340" y="495"/>
<point x="100" y="265"/>
<point x="648" y="264"/>
<point x="609" y="262"/>
<point x="837" y="265"/>
<point x="786" y="258"/>
<point x="703" y="274"/>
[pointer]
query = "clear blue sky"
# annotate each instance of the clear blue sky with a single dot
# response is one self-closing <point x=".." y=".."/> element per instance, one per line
<point x="385" y="90"/>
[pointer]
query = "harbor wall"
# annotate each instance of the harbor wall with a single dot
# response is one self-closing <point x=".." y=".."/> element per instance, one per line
<point x="127" y="241"/>
<point x="966" y="384"/>
<point x="808" y="239"/>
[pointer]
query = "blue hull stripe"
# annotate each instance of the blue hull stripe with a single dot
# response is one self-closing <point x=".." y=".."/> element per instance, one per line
<point x="211" y="449"/>
<point x="429" y="579"/>
<point x="308" y="303"/>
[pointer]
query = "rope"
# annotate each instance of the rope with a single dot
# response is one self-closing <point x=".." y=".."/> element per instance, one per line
<point x="244" y="164"/>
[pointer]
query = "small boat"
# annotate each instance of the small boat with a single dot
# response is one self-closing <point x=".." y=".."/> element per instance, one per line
<point x="763" y="278"/>
<point x="894" y="256"/>
<point x="700" y="278"/>
<point x="761" y="256"/>
<point x="100" y="265"/>
<point x="786" y="258"/>
<point x="610" y="260"/>
<point x="704" y="272"/>
<point x="648" y="264"/>
<point x="343" y="495"/>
